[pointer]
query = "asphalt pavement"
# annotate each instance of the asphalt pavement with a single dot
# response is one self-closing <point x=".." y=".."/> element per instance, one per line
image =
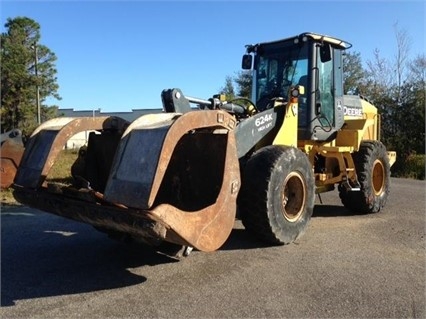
<point x="345" y="266"/>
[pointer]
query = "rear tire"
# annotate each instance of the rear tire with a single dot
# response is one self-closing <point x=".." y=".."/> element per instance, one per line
<point x="277" y="196"/>
<point x="373" y="171"/>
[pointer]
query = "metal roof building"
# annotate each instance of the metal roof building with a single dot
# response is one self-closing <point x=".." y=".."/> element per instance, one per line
<point x="128" y="116"/>
<point x="81" y="138"/>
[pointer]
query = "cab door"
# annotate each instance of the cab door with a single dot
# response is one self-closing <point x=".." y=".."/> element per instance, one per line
<point x="325" y="116"/>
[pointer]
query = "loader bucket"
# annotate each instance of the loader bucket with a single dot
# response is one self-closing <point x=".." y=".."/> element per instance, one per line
<point x="12" y="148"/>
<point x="173" y="177"/>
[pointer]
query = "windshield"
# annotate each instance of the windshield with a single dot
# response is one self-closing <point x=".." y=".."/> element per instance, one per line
<point x="279" y="66"/>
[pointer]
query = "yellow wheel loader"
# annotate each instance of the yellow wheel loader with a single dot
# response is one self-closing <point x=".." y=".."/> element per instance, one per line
<point x="180" y="176"/>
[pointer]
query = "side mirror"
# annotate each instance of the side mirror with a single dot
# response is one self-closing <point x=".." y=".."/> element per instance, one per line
<point x="325" y="52"/>
<point x="247" y="62"/>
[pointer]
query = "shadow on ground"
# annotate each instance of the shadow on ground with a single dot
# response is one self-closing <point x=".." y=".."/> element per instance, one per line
<point x="241" y="239"/>
<point x="49" y="256"/>
<point x="332" y="211"/>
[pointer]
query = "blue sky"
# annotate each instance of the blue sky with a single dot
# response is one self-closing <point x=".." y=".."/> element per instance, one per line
<point x="120" y="55"/>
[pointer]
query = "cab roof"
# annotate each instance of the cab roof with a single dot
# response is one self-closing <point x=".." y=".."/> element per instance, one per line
<point x="315" y="36"/>
<point x="319" y="37"/>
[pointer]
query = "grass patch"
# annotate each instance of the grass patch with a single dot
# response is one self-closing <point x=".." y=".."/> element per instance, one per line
<point x="413" y="166"/>
<point x="61" y="169"/>
<point x="7" y="198"/>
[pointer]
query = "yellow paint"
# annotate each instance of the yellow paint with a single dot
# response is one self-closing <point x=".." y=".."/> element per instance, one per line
<point x="287" y="134"/>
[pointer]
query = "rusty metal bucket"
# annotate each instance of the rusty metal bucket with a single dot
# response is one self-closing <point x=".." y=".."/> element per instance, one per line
<point x="12" y="149"/>
<point x="173" y="177"/>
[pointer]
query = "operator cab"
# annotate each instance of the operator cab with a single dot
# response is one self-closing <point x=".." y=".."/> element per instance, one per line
<point x="311" y="60"/>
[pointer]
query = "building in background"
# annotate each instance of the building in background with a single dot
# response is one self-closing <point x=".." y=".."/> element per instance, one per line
<point x="81" y="138"/>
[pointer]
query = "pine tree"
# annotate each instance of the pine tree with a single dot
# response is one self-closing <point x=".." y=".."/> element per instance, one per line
<point x="28" y="76"/>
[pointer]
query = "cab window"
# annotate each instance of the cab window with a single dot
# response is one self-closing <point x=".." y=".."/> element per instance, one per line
<point x="325" y="92"/>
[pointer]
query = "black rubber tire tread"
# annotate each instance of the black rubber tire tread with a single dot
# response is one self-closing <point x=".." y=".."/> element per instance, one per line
<point x="260" y="198"/>
<point x="366" y="201"/>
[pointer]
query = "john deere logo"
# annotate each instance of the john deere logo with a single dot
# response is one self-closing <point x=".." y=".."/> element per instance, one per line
<point x="352" y="111"/>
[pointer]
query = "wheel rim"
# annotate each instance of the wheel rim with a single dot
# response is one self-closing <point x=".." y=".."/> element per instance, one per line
<point x="293" y="197"/>
<point x="378" y="178"/>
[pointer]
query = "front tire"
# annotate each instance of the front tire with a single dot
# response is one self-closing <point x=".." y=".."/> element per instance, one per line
<point x="373" y="171"/>
<point x="277" y="196"/>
